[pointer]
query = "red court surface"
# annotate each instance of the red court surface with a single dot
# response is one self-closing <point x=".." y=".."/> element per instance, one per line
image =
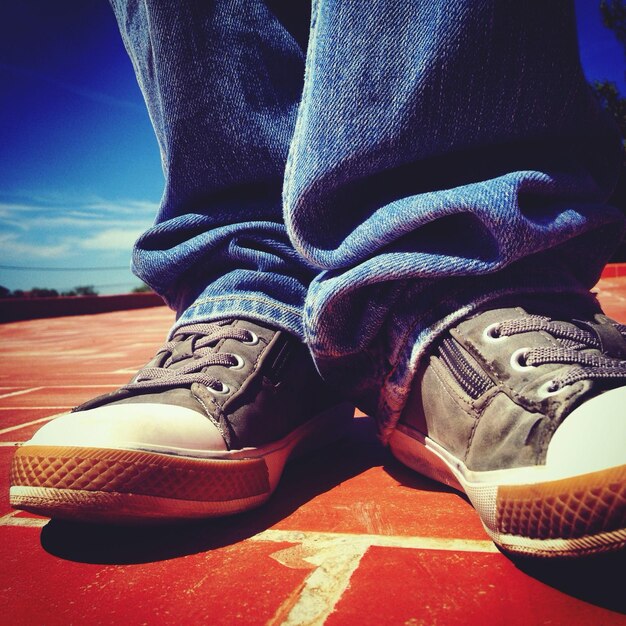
<point x="350" y="537"/>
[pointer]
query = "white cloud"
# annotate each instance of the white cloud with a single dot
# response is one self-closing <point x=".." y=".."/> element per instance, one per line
<point x="111" y="239"/>
<point x="88" y="215"/>
<point x="49" y="228"/>
<point x="132" y="207"/>
<point x="85" y="207"/>
<point x="13" y="208"/>
<point x="56" y="233"/>
<point x="13" y="249"/>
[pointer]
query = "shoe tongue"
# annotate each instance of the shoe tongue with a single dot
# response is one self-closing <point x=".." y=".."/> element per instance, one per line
<point x="560" y="307"/>
<point x="612" y="343"/>
<point x="182" y="351"/>
<point x="178" y="357"/>
<point x="185" y="348"/>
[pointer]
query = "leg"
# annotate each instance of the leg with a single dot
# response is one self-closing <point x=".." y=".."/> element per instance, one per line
<point x="458" y="153"/>
<point x="222" y="81"/>
<point x="206" y="428"/>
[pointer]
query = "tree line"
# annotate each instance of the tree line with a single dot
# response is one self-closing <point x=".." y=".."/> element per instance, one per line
<point x="42" y="292"/>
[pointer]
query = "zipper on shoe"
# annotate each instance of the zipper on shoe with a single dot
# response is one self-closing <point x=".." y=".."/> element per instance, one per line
<point x="472" y="381"/>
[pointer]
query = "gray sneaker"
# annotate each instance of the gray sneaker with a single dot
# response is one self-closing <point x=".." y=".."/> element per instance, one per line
<point x="527" y="416"/>
<point x="205" y="429"/>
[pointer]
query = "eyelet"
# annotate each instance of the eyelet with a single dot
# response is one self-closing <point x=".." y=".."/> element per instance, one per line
<point x="240" y="362"/>
<point x="225" y="390"/>
<point x="253" y="339"/>
<point x="491" y="333"/>
<point x="548" y="389"/>
<point x="518" y="360"/>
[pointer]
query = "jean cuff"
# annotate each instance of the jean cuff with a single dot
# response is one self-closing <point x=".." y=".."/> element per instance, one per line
<point x="257" y="308"/>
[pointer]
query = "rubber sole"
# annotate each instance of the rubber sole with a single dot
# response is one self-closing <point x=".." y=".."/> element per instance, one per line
<point x="527" y="514"/>
<point x="135" y="486"/>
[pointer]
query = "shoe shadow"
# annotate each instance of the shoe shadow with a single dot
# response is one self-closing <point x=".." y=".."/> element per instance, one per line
<point x="598" y="579"/>
<point x="303" y="480"/>
<point x="409" y="478"/>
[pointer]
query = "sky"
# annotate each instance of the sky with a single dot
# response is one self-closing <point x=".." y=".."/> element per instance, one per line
<point x="80" y="173"/>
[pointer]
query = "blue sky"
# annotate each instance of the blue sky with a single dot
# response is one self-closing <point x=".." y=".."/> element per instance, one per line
<point x="80" y="175"/>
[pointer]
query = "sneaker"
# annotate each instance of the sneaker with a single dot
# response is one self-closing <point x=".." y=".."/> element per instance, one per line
<point x="205" y="429"/>
<point x="526" y="415"/>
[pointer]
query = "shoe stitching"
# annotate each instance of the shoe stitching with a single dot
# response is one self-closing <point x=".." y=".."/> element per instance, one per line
<point x="209" y="414"/>
<point x="220" y="299"/>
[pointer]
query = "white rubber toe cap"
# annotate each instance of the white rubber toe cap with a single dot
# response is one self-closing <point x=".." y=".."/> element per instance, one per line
<point x="592" y="437"/>
<point x="133" y="426"/>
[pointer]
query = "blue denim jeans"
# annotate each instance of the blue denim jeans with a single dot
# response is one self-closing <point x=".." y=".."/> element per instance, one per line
<point x="365" y="177"/>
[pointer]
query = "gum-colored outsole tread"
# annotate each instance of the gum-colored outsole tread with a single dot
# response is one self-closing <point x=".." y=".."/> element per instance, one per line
<point x="140" y="473"/>
<point x="576" y="507"/>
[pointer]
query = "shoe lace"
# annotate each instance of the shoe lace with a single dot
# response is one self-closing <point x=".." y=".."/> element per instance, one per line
<point x="190" y="367"/>
<point x="575" y="343"/>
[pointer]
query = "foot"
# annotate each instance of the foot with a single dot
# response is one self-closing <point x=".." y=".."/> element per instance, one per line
<point x="526" y="415"/>
<point x="205" y="429"/>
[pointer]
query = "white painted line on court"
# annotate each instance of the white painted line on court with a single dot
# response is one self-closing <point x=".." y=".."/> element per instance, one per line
<point x="383" y="541"/>
<point x="336" y="556"/>
<point x="95" y="385"/>
<point x="20" y="393"/>
<point x="334" y="560"/>
<point x="34" y="408"/>
<point x="12" y="519"/>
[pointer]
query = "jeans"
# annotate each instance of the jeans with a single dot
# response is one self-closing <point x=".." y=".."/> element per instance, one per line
<point x="365" y="179"/>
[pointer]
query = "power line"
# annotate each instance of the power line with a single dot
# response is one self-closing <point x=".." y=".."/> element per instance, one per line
<point x="134" y="284"/>
<point x="65" y="269"/>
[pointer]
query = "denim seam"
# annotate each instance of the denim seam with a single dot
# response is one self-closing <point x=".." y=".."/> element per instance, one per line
<point x="272" y="303"/>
